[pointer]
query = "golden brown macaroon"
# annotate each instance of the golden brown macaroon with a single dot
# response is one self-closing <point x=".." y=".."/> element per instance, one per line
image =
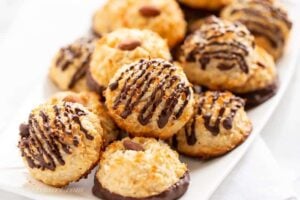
<point x="61" y="143"/>
<point x="94" y="103"/>
<point x="222" y="55"/>
<point x="121" y="47"/>
<point x="151" y="98"/>
<point x="206" y="4"/>
<point x="149" y="169"/>
<point x="218" y="125"/>
<point x="69" y="65"/>
<point x="267" y="21"/>
<point x="164" y="17"/>
<point x="218" y="55"/>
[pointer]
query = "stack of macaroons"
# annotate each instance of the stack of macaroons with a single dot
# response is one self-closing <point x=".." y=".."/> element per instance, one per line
<point x="129" y="107"/>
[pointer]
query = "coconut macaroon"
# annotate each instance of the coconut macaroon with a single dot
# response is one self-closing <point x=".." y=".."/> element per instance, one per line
<point x="206" y="4"/>
<point x="267" y="21"/>
<point x="60" y="143"/>
<point x="94" y="103"/>
<point x="220" y="49"/>
<point x="150" y="98"/>
<point x="121" y="47"/>
<point x="163" y="17"/>
<point x="149" y="169"/>
<point x="227" y="50"/>
<point x="68" y="68"/>
<point x="218" y="125"/>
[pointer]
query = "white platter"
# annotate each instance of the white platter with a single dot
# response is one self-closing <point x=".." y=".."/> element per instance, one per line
<point x="44" y="26"/>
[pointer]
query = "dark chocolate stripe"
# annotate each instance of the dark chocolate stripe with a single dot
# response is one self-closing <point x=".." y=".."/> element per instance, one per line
<point x="236" y="52"/>
<point x="42" y="147"/>
<point x="155" y="98"/>
<point x="136" y="84"/>
<point x="67" y="55"/>
<point x="187" y="94"/>
<point x="225" y="55"/>
<point x="232" y="45"/>
<point x="214" y="129"/>
<point x="275" y="12"/>
<point x="127" y="85"/>
<point x="221" y="119"/>
<point x="190" y="132"/>
<point x="52" y="141"/>
<point x="87" y="135"/>
<point x="80" y="72"/>
<point x="146" y="82"/>
<point x="129" y="105"/>
<point x="259" y="29"/>
<point x="170" y="105"/>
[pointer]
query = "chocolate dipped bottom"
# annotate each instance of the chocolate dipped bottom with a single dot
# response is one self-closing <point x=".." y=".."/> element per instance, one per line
<point x="255" y="98"/>
<point x="172" y="193"/>
<point x="154" y="95"/>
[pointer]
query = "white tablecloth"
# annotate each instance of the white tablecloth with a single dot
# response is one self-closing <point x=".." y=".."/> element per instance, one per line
<point x="269" y="170"/>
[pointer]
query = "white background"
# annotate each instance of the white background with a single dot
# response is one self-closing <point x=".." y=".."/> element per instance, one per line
<point x="273" y="157"/>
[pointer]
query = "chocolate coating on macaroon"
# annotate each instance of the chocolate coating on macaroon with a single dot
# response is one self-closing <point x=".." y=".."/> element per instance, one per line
<point x="172" y="193"/>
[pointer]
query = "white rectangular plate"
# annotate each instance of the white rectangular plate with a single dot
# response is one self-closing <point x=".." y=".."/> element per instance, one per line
<point x="44" y="26"/>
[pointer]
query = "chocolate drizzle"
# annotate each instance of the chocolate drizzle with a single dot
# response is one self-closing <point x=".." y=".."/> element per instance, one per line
<point x="231" y="53"/>
<point x="276" y="12"/>
<point x="260" y="18"/>
<point x="80" y="72"/>
<point x="43" y="142"/>
<point x="137" y="83"/>
<point x="66" y="57"/>
<point x="265" y="30"/>
<point x="81" y="51"/>
<point x="205" y="107"/>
